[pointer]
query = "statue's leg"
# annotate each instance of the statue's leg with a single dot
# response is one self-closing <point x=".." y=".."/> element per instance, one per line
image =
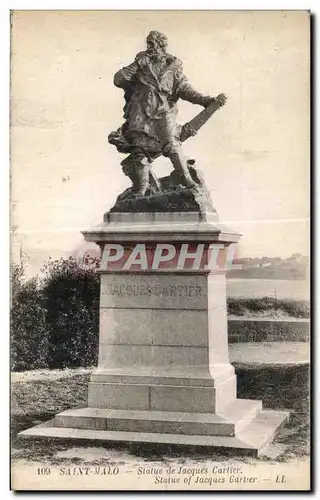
<point x="141" y="170"/>
<point x="174" y="152"/>
<point x="142" y="176"/>
<point x="136" y="166"/>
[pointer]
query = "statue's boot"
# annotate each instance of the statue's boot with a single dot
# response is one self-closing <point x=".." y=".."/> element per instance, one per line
<point x="142" y="178"/>
<point x="180" y="165"/>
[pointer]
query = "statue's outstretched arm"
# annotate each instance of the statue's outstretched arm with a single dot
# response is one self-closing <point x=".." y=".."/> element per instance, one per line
<point x="186" y="92"/>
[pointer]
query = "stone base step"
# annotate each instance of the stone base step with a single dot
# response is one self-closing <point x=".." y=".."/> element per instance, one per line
<point x="227" y="423"/>
<point x="252" y="439"/>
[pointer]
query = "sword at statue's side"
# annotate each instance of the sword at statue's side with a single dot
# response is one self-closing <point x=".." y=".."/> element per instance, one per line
<point x="190" y="128"/>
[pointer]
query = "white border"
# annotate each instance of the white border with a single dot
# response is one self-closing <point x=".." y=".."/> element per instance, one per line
<point x="4" y="154"/>
<point x="159" y="5"/>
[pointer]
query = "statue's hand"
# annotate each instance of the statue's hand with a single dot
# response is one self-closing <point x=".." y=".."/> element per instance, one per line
<point x="206" y="101"/>
<point x="221" y="99"/>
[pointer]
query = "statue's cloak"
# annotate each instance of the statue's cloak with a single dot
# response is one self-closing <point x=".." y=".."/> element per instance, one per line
<point x="150" y="105"/>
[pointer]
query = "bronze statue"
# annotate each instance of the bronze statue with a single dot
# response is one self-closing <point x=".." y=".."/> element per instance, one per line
<point x="152" y="85"/>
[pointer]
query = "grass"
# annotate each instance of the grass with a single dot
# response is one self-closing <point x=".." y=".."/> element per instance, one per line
<point x="270" y="305"/>
<point x="35" y="401"/>
<point x="282" y="388"/>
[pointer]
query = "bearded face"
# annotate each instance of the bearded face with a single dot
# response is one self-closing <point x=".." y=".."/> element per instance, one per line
<point x="155" y="49"/>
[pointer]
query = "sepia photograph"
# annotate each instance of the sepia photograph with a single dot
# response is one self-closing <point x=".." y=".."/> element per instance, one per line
<point x="160" y="250"/>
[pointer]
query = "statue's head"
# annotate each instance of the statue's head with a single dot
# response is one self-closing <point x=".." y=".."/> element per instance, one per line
<point x="156" y="44"/>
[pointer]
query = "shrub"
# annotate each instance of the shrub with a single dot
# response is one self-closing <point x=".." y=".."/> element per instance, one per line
<point x="29" y="335"/>
<point x="71" y="298"/>
<point x="294" y="308"/>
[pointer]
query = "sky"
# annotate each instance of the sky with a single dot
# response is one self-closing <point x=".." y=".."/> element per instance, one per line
<point x="254" y="152"/>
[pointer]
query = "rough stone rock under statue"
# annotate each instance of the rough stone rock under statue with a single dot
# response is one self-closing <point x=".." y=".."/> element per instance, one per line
<point x="170" y="196"/>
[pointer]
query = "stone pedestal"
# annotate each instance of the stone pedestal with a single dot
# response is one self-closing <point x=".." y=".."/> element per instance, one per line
<point x="164" y="374"/>
<point x="159" y="350"/>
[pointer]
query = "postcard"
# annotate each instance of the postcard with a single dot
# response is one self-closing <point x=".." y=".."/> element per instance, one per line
<point x="160" y="309"/>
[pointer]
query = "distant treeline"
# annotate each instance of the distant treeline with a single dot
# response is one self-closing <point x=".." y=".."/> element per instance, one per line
<point x="292" y="268"/>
